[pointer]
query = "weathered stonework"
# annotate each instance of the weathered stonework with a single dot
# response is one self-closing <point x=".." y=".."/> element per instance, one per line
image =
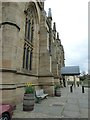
<point x="47" y="51"/>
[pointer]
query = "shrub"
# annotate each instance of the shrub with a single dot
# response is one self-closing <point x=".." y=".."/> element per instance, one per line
<point x="29" y="88"/>
<point x="57" y="86"/>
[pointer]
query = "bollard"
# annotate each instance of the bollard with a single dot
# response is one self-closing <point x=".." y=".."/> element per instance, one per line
<point x="77" y="84"/>
<point x="71" y="90"/>
<point x="82" y="89"/>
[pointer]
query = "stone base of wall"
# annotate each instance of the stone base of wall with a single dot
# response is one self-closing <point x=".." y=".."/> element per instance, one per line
<point x="47" y="83"/>
<point x="12" y="92"/>
<point x="56" y="81"/>
<point x="8" y="97"/>
<point x="50" y="90"/>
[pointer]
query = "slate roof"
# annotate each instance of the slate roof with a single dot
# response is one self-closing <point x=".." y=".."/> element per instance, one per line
<point x="70" y="70"/>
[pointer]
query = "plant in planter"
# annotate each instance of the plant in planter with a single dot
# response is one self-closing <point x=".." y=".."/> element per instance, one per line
<point x="29" y="97"/>
<point x="58" y="90"/>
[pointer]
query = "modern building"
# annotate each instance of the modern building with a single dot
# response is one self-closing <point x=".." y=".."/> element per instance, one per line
<point x="31" y="50"/>
<point x="70" y="74"/>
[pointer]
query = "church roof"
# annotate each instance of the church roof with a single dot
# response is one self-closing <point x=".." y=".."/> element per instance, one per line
<point x="70" y="70"/>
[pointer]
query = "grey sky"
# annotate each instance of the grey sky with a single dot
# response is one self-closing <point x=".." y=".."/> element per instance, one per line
<point x="71" y="17"/>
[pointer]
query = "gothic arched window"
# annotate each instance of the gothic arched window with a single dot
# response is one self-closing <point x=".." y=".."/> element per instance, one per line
<point x="28" y="44"/>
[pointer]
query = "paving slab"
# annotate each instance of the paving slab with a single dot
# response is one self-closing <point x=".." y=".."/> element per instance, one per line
<point x="84" y="113"/>
<point x="71" y="114"/>
<point x="72" y="100"/>
<point x="69" y="105"/>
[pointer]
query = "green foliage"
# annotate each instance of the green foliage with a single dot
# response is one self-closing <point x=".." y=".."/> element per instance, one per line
<point x="85" y="79"/>
<point x="57" y="86"/>
<point x="29" y="89"/>
<point x="82" y="78"/>
<point x="78" y="82"/>
<point x="70" y="82"/>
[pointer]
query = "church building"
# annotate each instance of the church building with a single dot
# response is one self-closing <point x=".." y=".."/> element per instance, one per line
<point x="30" y="50"/>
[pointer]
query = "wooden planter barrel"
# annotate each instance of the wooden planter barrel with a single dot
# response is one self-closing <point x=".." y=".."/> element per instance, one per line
<point x="58" y="92"/>
<point x="28" y="102"/>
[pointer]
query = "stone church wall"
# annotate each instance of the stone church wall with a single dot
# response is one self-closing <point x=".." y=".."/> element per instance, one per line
<point x="45" y="67"/>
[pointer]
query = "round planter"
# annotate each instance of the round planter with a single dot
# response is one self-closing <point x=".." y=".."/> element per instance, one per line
<point x="58" y="92"/>
<point x="28" y="102"/>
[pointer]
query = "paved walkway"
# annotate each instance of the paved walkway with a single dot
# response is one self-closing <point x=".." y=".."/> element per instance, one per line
<point x="69" y="105"/>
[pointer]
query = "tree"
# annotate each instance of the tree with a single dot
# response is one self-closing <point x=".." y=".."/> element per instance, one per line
<point x="83" y="76"/>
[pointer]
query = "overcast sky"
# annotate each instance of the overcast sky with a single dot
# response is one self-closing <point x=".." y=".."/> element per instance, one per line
<point x="71" y="17"/>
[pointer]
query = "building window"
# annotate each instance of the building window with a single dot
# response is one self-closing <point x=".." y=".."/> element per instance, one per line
<point x="27" y="54"/>
<point x="29" y="28"/>
<point x="47" y="40"/>
<point x="30" y="67"/>
<point x="57" y="69"/>
<point x="50" y="37"/>
<point x="28" y="32"/>
<point x="24" y="56"/>
<point x="50" y="64"/>
<point x="28" y="42"/>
